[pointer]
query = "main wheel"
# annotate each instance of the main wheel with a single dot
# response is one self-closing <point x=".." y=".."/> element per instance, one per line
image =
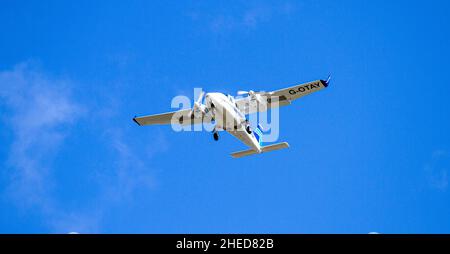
<point x="248" y="129"/>
<point x="216" y="136"/>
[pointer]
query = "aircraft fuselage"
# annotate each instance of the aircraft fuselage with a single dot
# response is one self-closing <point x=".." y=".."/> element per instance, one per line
<point x="228" y="117"/>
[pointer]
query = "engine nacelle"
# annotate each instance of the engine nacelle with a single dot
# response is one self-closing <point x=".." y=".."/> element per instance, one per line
<point x="254" y="96"/>
<point x="198" y="110"/>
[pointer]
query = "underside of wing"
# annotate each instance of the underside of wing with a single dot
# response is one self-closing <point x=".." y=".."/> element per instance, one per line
<point x="298" y="91"/>
<point x="181" y="117"/>
<point x="280" y="97"/>
<point x="248" y="106"/>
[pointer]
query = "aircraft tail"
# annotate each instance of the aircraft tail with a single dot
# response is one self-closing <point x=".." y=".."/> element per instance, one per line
<point x="264" y="149"/>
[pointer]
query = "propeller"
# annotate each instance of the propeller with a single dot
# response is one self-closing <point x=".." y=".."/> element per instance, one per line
<point x="200" y="97"/>
<point x="253" y="95"/>
<point x="197" y="104"/>
<point x="245" y="92"/>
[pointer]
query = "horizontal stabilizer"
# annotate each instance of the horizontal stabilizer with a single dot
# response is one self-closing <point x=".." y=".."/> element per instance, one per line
<point x="263" y="150"/>
<point x="274" y="147"/>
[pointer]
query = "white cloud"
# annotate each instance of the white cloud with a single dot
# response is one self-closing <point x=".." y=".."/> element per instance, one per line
<point x="437" y="169"/>
<point x="86" y="221"/>
<point x="249" y="17"/>
<point x="253" y="16"/>
<point x="131" y="172"/>
<point x="39" y="111"/>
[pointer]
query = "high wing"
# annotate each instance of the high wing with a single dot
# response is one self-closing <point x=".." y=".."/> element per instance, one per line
<point x="285" y="96"/>
<point x="182" y="117"/>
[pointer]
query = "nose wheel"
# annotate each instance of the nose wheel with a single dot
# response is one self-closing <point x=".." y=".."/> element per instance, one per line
<point x="216" y="136"/>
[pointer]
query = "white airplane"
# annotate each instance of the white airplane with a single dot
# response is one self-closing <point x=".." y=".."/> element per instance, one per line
<point x="229" y="114"/>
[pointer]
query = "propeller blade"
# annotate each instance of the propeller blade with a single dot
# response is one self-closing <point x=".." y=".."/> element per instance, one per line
<point x="200" y="97"/>
<point x="197" y="104"/>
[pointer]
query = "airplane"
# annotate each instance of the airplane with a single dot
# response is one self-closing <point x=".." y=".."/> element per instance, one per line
<point x="229" y="113"/>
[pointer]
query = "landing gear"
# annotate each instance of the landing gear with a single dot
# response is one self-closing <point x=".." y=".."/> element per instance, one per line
<point x="216" y="136"/>
<point x="248" y="129"/>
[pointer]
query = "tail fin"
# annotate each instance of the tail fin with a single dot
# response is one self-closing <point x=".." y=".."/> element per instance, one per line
<point x="264" y="149"/>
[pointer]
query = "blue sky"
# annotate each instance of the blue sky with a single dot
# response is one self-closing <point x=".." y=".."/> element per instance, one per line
<point x="370" y="153"/>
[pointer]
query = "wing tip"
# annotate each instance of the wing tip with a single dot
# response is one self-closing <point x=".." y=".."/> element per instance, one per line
<point x="134" y="119"/>
<point x="326" y="83"/>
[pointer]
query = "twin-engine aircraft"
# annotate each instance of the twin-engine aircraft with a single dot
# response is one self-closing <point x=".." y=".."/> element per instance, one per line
<point x="229" y="114"/>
